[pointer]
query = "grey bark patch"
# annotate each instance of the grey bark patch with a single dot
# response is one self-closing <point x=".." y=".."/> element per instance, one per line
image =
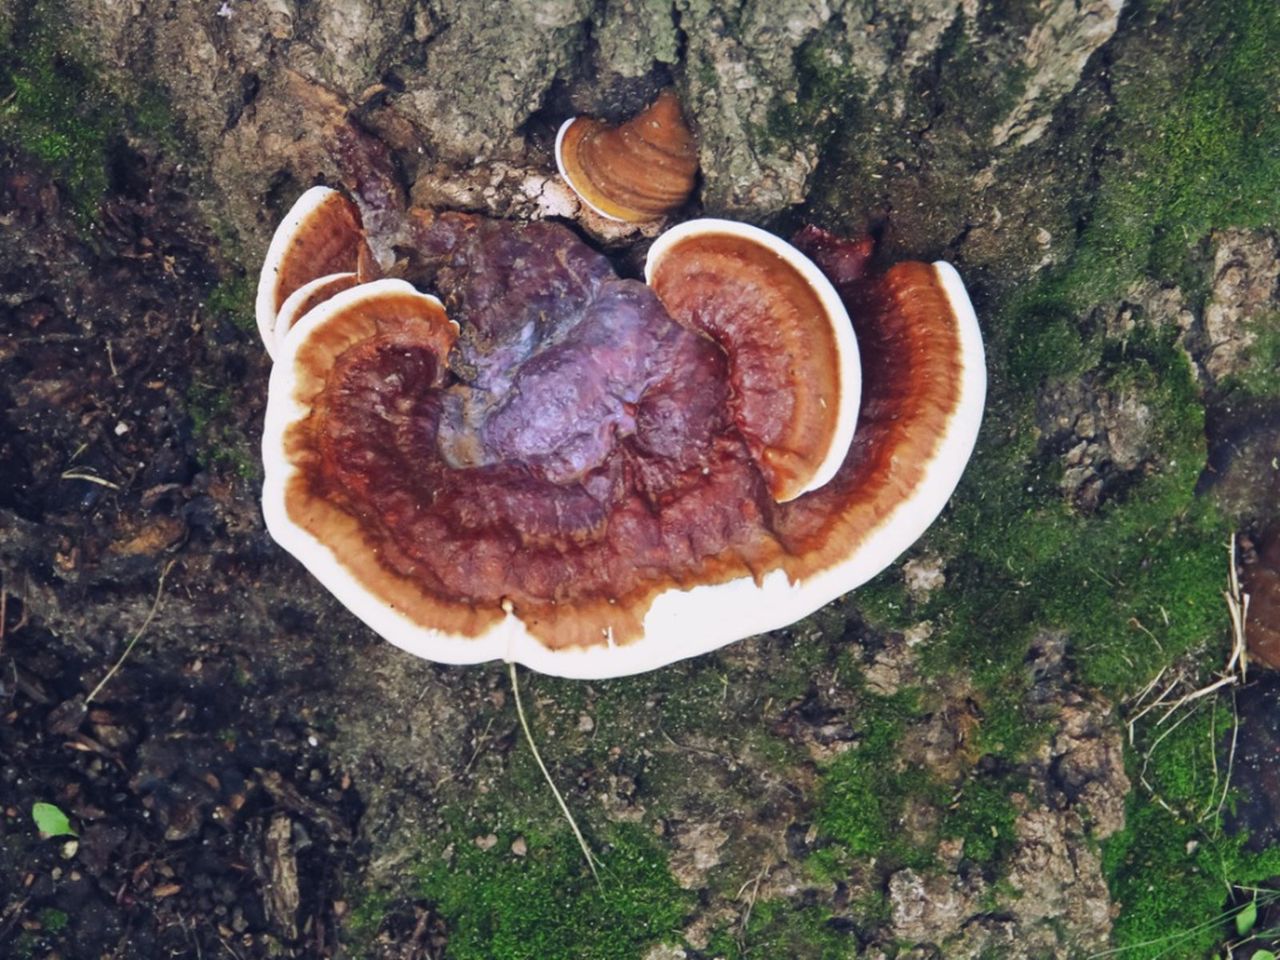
<point x="633" y="35"/>
<point x="1245" y="299"/>
<point x="1105" y="436"/>
<point x="488" y="71"/>
<point x="1054" y="58"/>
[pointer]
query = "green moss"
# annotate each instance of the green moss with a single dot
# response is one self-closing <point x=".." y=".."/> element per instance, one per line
<point x="151" y="116"/>
<point x="864" y="791"/>
<point x="1260" y="376"/>
<point x="982" y="815"/>
<point x="1134" y="585"/>
<point x="657" y="708"/>
<point x="51" y="107"/>
<point x="970" y="66"/>
<point x="795" y="663"/>
<point x="219" y="440"/>
<point x="55" y="107"/>
<point x="41" y="941"/>
<point x="1171" y="870"/>
<point x="778" y="929"/>
<point x="232" y="299"/>
<point x="1005" y="727"/>
<point x="1182" y="770"/>
<point x="206" y="403"/>
<point x="1201" y="145"/>
<point x="1171" y="881"/>
<point x="826" y="92"/>
<point x="25" y="944"/>
<point x="885" y="602"/>
<point x="1048" y="343"/>
<point x="683" y="702"/>
<point x="365" y="920"/>
<point x="545" y="906"/>
<point x="53" y="920"/>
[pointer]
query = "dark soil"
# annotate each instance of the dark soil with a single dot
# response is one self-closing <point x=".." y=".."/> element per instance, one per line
<point x="209" y="819"/>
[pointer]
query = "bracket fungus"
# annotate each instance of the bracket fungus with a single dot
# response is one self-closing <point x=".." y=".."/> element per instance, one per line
<point x="595" y="476"/>
<point x="311" y="294"/>
<point x="320" y="237"/>
<point x="641" y="170"/>
<point x="794" y="374"/>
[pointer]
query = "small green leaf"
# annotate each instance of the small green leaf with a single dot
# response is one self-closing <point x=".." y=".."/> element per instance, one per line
<point x="1264" y="955"/>
<point x="1247" y="917"/>
<point x="50" y="821"/>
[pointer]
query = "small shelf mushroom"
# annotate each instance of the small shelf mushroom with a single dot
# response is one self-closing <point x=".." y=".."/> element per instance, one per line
<point x="311" y="294"/>
<point x="594" y="476"/>
<point x="320" y="235"/>
<point x="641" y="170"/>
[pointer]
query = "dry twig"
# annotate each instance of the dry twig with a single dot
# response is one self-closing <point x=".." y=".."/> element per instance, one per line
<point x="1180" y="698"/>
<point x="155" y="605"/>
<point x="751" y="903"/>
<point x="88" y="478"/>
<point x="564" y="807"/>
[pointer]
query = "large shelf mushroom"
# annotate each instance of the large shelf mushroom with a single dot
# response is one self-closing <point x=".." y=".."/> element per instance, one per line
<point x="598" y="476"/>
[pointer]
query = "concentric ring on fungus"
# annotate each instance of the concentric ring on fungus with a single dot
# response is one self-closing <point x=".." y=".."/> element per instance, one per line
<point x="788" y="337"/>
<point x="309" y="295"/>
<point x="575" y="482"/>
<point x="639" y="171"/>
<point x="320" y="235"/>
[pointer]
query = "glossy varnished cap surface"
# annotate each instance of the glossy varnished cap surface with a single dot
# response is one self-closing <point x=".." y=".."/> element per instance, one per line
<point x="793" y="355"/>
<point x="320" y="235"/>
<point x="639" y="171"/>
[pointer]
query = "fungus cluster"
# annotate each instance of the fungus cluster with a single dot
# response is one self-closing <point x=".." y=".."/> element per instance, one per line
<point x="543" y="462"/>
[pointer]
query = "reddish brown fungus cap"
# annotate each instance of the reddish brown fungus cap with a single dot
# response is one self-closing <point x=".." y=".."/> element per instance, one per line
<point x="581" y="483"/>
<point x="793" y="359"/>
<point x="923" y="391"/>
<point x="321" y="235"/>
<point x="307" y="296"/>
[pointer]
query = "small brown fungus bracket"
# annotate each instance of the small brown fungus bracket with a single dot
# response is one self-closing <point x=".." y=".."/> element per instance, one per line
<point x="641" y="170"/>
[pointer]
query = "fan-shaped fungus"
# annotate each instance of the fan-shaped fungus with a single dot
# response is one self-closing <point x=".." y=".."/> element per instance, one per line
<point x="310" y="294"/>
<point x="584" y="484"/>
<point x="641" y="170"/>
<point x="793" y="360"/>
<point x="320" y="235"/>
